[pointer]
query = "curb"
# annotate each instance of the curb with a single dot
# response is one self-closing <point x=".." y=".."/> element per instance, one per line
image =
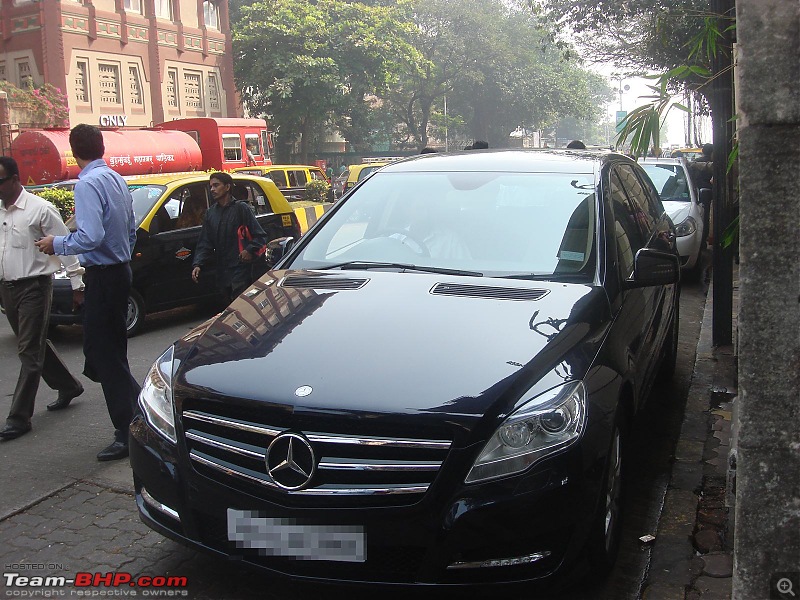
<point x="692" y="556"/>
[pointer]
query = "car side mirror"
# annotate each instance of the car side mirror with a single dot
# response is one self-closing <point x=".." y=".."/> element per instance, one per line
<point x="653" y="267"/>
<point x="279" y="247"/>
<point x="705" y="197"/>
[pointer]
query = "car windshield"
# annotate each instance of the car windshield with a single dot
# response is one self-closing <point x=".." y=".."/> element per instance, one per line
<point x="144" y="197"/>
<point x="670" y="181"/>
<point x="367" y="170"/>
<point x="523" y="225"/>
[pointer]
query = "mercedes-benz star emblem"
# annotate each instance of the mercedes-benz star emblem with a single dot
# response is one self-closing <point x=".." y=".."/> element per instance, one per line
<point x="303" y="391"/>
<point x="290" y="461"/>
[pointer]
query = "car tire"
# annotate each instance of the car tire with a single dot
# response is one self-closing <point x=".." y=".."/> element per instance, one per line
<point x="607" y="525"/>
<point x="695" y="274"/>
<point x="135" y="315"/>
<point x="669" y="354"/>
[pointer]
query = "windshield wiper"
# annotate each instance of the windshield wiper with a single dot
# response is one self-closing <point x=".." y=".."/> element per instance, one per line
<point x="365" y="264"/>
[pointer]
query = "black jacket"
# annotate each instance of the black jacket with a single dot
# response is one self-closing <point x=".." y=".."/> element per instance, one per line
<point x="218" y="238"/>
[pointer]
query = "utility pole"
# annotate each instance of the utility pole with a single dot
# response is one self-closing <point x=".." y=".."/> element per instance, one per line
<point x="722" y="112"/>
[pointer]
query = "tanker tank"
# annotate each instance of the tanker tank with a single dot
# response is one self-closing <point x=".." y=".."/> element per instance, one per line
<point x="44" y="155"/>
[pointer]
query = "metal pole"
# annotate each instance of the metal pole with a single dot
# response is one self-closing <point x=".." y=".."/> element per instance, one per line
<point x="722" y="111"/>
<point x="446" y="144"/>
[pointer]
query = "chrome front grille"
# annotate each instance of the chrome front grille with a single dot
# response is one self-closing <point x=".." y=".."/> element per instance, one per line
<point x="347" y="465"/>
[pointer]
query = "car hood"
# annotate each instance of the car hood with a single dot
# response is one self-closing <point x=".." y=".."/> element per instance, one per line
<point x="677" y="211"/>
<point x="369" y="344"/>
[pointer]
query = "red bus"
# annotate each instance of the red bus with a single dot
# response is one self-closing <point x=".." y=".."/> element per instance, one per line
<point x="227" y="143"/>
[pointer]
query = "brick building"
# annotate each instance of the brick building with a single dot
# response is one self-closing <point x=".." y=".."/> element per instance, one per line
<point x="123" y="62"/>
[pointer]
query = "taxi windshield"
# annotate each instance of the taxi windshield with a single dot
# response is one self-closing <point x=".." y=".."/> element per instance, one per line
<point x="144" y="198"/>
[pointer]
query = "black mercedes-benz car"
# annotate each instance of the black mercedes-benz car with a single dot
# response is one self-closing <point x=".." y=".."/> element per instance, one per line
<point x="483" y="328"/>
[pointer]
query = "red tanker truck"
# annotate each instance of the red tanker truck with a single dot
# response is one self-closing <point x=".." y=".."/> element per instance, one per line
<point x="44" y="155"/>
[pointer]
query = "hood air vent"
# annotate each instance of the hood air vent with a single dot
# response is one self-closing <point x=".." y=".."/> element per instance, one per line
<point x="323" y="283"/>
<point x="482" y="291"/>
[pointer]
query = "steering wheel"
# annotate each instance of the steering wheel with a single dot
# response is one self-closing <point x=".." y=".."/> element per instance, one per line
<point x="405" y="238"/>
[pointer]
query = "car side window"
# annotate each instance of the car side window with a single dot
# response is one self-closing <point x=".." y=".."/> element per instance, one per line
<point x="194" y="203"/>
<point x="648" y="215"/>
<point x="302" y="179"/>
<point x="279" y="177"/>
<point x="627" y="230"/>
<point x="254" y="196"/>
<point x="293" y="178"/>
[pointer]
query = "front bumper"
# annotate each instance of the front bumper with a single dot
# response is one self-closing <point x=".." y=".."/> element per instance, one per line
<point x="439" y="540"/>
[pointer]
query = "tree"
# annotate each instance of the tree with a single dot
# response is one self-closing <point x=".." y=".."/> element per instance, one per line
<point x="490" y="62"/>
<point x="306" y="64"/>
<point x="650" y="36"/>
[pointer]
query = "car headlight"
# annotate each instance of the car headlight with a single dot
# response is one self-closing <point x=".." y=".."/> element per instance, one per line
<point x="156" y="396"/>
<point x="543" y="425"/>
<point x="686" y="227"/>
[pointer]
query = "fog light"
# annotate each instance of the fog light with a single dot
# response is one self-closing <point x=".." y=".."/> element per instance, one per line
<point x="502" y="562"/>
<point x="162" y="508"/>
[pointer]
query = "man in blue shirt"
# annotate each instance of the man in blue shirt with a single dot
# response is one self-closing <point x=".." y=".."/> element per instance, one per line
<point x="105" y="235"/>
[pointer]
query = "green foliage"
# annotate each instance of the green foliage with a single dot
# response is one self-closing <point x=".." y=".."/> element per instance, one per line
<point x="64" y="200"/>
<point x="491" y="62"/>
<point x="305" y="64"/>
<point x="317" y="190"/>
<point x="365" y="67"/>
<point x="47" y="105"/>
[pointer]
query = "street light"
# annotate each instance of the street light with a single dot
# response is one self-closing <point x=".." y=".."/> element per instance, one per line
<point x="621" y="90"/>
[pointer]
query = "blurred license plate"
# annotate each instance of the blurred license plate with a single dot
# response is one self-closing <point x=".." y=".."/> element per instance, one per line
<point x="303" y="541"/>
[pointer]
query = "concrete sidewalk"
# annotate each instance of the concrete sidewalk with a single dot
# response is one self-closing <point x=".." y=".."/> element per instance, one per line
<point x="693" y="551"/>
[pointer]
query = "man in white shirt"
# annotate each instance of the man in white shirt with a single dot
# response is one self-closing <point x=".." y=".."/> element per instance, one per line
<point x="26" y="291"/>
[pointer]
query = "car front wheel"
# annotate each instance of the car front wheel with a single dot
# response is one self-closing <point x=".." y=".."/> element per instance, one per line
<point x="607" y="525"/>
<point x="136" y="311"/>
<point x="669" y="356"/>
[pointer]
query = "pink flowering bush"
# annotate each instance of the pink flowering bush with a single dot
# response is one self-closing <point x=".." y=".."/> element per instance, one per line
<point x="47" y="105"/>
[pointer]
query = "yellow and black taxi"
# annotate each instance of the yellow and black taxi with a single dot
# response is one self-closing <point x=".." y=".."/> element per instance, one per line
<point x="169" y="211"/>
<point x="358" y="172"/>
<point x="290" y="179"/>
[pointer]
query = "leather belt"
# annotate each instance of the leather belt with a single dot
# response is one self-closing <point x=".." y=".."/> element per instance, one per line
<point x="111" y="266"/>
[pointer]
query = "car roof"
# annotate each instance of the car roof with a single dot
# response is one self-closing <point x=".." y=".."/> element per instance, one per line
<point x="171" y="178"/>
<point x="509" y="160"/>
<point x="268" y="167"/>
<point x="650" y="160"/>
<point x="287" y="167"/>
<point x="277" y="200"/>
<point x="377" y="163"/>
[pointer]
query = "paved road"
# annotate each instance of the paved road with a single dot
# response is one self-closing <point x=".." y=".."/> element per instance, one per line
<point x="62" y="512"/>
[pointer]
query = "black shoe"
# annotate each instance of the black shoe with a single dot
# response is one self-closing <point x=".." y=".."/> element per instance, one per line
<point x="10" y="432"/>
<point x="64" y="398"/>
<point x="115" y="451"/>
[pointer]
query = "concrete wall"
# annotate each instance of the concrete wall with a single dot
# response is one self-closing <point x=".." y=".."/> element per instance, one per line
<point x="767" y="534"/>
